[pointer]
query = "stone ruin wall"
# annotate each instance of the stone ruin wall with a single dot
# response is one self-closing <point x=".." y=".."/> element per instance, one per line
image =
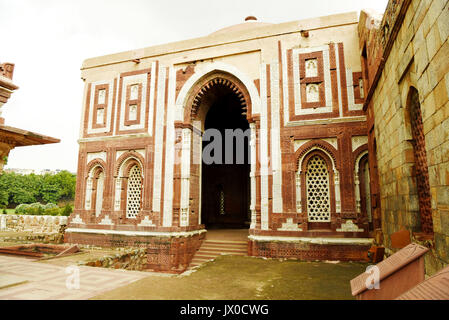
<point x="411" y="41"/>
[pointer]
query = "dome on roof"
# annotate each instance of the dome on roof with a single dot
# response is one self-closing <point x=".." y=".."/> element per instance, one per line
<point x="250" y="23"/>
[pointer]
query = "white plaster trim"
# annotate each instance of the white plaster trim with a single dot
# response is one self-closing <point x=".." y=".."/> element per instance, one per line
<point x="358" y="141"/>
<point x="96" y="155"/>
<point x="118" y="193"/>
<point x="276" y="140"/>
<point x="89" y="182"/>
<point x="285" y="86"/>
<point x="299" y="143"/>
<point x="137" y="233"/>
<point x="341" y="241"/>
<point x="252" y="175"/>
<point x="83" y="112"/>
<point x="264" y="161"/>
<point x="119" y="153"/>
<point x="325" y="121"/>
<point x="158" y="132"/>
<point x="296" y="82"/>
<point x="142" y="152"/>
<point x="332" y="141"/>
<point x="151" y="108"/>
<point x="120" y="137"/>
<point x="298" y="193"/>
<point x="337" y="61"/>
<point x="169" y="151"/>
<point x="185" y="173"/>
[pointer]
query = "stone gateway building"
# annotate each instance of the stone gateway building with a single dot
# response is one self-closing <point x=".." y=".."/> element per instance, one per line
<point x="308" y="186"/>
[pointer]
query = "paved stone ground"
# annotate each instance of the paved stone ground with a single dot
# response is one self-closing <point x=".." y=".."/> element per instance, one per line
<point x="48" y="282"/>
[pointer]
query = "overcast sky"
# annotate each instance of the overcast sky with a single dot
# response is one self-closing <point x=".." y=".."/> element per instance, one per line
<point x="48" y="40"/>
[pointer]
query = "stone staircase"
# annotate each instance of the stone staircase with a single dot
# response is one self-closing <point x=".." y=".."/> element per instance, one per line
<point x="210" y="249"/>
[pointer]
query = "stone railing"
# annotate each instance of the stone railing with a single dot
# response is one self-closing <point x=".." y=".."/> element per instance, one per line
<point x="35" y="224"/>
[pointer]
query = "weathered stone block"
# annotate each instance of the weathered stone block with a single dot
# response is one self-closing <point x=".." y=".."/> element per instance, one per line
<point x="444" y="221"/>
<point x="443" y="195"/>
<point x="443" y="23"/>
<point x="441" y="246"/>
<point x="433" y="41"/>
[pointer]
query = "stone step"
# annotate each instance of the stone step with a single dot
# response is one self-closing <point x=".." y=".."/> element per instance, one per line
<point x="211" y="249"/>
<point x="201" y="260"/>
<point x="227" y="242"/>
<point x="213" y="246"/>
<point x="208" y="245"/>
<point x="217" y="252"/>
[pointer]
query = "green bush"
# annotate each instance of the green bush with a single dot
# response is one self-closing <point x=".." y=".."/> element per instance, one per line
<point x="53" y="211"/>
<point x="50" y="209"/>
<point x="21" y="208"/>
<point x="67" y="210"/>
<point x="50" y="205"/>
<point x="35" y="209"/>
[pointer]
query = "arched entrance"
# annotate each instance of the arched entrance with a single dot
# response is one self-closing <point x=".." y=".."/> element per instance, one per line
<point x="225" y="166"/>
<point x="216" y="98"/>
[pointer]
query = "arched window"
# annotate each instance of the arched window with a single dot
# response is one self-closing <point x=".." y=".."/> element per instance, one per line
<point x="420" y="157"/>
<point x="134" y="192"/>
<point x="363" y="189"/>
<point x="318" y="191"/>
<point x="94" y="190"/>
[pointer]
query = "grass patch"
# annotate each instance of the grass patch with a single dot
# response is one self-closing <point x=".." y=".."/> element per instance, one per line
<point x="247" y="278"/>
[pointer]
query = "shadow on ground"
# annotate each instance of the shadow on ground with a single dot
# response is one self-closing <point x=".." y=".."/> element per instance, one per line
<point x="247" y="278"/>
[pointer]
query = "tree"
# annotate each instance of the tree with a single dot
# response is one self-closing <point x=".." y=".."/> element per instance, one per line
<point x="16" y="188"/>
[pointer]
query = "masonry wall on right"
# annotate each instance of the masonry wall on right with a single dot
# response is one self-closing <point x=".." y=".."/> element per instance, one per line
<point x="405" y="61"/>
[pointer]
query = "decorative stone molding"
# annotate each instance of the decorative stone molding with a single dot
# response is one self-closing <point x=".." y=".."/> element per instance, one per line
<point x="146" y="222"/>
<point x="315" y="145"/>
<point x="349" y="226"/>
<point x="289" y="226"/>
<point x="209" y="85"/>
<point x="106" y="221"/>
<point x="77" y="220"/>
<point x="132" y="154"/>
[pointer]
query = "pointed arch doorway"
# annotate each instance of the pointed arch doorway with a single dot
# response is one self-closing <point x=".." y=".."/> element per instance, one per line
<point x="220" y="108"/>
